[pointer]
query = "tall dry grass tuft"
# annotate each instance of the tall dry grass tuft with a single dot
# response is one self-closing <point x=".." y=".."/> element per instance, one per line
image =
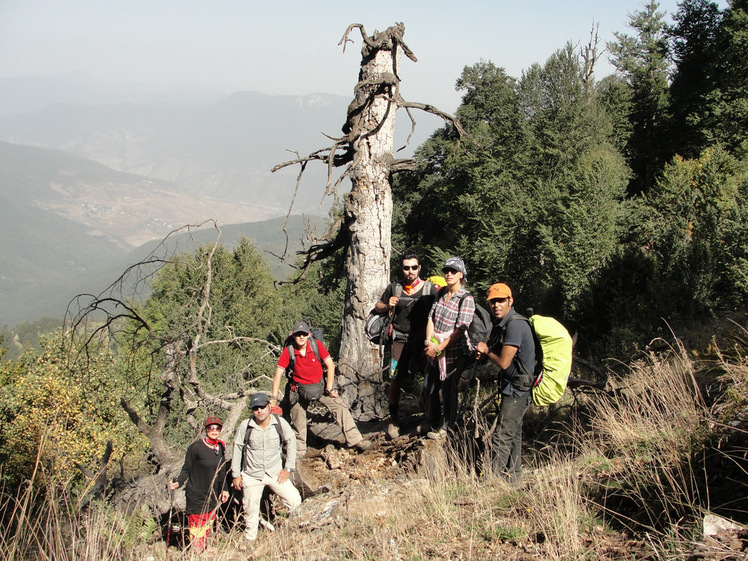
<point x="556" y="510"/>
<point x="650" y="426"/>
<point x="42" y="522"/>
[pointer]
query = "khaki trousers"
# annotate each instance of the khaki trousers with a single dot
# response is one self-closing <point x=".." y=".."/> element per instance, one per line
<point x="339" y="410"/>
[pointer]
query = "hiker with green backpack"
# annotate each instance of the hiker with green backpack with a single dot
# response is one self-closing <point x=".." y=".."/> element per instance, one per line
<point x="515" y="346"/>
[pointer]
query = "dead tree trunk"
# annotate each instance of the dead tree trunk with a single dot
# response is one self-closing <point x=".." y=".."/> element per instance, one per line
<point x="368" y="214"/>
<point x="367" y="147"/>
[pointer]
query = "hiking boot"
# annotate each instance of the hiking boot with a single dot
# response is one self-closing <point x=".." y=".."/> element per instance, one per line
<point x="393" y="431"/>
<point x="424" y="428"/>
<point x="363" y="445"/>
<point x="436" y="434"/>
<point x="267" y="525"/>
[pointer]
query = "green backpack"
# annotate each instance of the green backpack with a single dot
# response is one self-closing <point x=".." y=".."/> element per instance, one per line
<point x="553" y="346"/>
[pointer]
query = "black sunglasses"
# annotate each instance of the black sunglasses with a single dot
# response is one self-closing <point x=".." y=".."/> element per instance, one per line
<point x="410" y="267"/>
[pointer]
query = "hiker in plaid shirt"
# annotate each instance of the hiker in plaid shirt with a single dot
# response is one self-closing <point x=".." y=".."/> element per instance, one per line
<point x="447" y="346"/>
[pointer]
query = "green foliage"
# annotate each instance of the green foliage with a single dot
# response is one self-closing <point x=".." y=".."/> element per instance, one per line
<point x="58" y="409"/>
<point x="642" y="61"/>
<point x="694" y="49"/>
<point x="536" y="204"/>
<point x="727" y="103"/>
<point x="697" y="229"/>
<point x="243" y="303"/>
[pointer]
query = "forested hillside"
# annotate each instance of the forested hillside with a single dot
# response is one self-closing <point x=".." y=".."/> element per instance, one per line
<point x="612" y="204"/>
<point x="618" y="205"/>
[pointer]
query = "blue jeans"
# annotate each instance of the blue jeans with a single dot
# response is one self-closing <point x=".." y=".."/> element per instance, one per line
<point x="507" y="439"/>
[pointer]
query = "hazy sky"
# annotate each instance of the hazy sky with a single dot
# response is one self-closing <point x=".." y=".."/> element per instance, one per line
<point x="291" y="46"/>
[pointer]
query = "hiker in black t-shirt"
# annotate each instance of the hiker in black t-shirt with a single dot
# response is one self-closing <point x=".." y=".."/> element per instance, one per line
<point x="517" y="343"/>
<point x="409" y="302"/>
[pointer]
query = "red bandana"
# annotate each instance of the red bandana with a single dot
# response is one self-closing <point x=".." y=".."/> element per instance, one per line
<point x="411" y="287"/>
<point x="211" y="443"/>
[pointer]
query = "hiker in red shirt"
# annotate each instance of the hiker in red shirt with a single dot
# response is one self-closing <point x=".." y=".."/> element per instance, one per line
<point x="306" y="384"/>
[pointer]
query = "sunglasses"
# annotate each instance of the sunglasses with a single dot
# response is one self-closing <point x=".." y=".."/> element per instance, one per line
<point x="214" y="427"/>
<point x="410" y="267"/>
<point x="258" y="407"/>
<point x="450" y="271"/>
<point x="499" y="301"/>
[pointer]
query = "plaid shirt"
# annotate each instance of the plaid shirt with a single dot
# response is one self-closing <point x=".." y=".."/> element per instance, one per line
<point x="457" y="313"/>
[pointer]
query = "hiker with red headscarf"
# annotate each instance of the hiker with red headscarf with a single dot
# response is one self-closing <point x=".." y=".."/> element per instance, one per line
<point x="204" y="470"/>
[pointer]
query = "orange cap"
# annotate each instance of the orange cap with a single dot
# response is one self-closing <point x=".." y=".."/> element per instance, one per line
<point x="499" y="290"/>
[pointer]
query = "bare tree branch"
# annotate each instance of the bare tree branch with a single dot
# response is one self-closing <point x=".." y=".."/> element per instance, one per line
<point x="342" y="152"/>
<point x="590" y="54"/>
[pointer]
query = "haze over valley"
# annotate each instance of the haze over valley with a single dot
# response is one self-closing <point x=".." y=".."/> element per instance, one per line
<point x="85" y="182"/>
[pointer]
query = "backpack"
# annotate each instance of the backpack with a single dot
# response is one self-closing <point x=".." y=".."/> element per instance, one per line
<point x="479" y="330"/>
<point x="278" y="428"/>
<point x="553" y="349"/>
<point x="378" y="326"/>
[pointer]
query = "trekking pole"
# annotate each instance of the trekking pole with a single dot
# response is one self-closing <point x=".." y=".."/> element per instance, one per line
<point x="168" y="528"/>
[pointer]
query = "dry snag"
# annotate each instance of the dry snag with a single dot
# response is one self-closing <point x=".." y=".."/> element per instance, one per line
<point x="366" y="152"/>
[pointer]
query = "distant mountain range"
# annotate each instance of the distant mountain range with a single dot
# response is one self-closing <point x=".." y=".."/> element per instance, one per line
<point x="72" y="225"/>
<point x="222" y="147"/>
<point x="223" y="150"/>
<point x="90" y="172"/>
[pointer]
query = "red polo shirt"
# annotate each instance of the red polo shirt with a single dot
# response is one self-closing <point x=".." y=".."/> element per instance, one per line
<point x="306" y="369"/>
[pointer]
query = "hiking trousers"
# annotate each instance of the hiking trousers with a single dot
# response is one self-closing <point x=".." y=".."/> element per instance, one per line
<point x="339" y="410"/>
<point x="252" y="490"/>
<point x="507" y="438"/>
<point x="437" y="392"/>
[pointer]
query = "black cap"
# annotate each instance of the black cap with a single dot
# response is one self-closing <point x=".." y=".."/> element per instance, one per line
<point x="259" y="400"/>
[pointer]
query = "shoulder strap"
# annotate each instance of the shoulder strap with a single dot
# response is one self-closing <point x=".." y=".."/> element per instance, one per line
<point x="247" y="433"/>
<point x="278" y="428"/>
<point x="430" y="286"/>
<point x="315" y="348"/>
<point x="292" y="357"/>
<point x="521" y="365"/>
